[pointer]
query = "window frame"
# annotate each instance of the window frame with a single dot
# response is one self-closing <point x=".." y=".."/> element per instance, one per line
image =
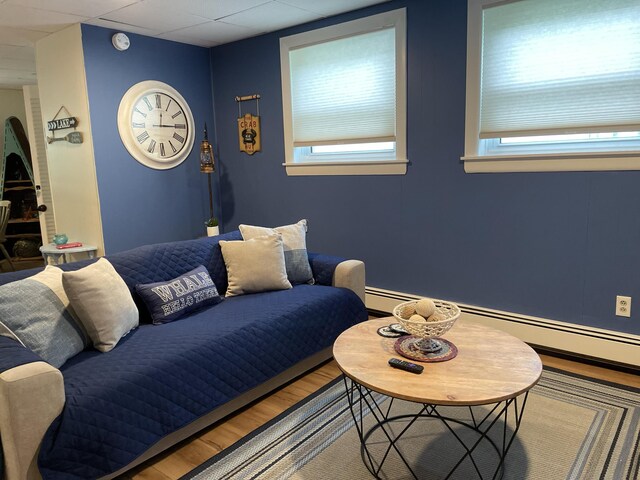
<point x="300" y="160"/>
<point x="485" y="155"/>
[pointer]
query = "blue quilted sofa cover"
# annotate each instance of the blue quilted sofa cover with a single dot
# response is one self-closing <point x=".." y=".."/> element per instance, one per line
<point x="160" y="378"/>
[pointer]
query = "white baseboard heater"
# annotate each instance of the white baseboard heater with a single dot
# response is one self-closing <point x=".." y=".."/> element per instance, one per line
<point x="597" y="343"/>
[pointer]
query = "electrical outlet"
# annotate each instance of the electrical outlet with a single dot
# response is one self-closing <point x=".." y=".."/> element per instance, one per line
<point x="623" y="306"/>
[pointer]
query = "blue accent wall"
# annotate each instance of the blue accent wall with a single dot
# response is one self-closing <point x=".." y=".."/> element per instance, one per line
<point x="554" y="245"/>
<point x="140" y="205"/>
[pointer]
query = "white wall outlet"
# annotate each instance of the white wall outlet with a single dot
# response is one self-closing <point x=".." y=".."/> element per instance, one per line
<point x="623" y="306"/>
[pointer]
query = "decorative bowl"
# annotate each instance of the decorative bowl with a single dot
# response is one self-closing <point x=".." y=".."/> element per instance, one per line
<point x="60" y="238"/>
<point x="428" y="331"/>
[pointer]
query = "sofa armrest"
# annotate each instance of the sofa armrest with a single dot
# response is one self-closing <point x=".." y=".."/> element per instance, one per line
<point x="338" y="272"/>
<point x="31" y="397"/>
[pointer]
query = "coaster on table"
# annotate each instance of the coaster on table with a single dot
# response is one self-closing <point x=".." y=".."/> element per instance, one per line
<point x="406" y="346"/>
<point x="387" y="332"/>
<point x="396" y="327"/>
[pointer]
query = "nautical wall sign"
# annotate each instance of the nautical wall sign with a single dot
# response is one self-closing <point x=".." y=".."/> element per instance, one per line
<point x="249" y="133"/>
<point x="62" y="123"/>
<point x="249" y="126"/>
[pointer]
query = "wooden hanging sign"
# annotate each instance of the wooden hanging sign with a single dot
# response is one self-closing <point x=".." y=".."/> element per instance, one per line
<point x="62" y="123"/>
<point x="249" y="133"/>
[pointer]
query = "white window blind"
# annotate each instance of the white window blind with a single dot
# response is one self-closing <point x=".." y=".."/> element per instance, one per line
<point x="560" y="66"/>
<point x="344" y="91"/>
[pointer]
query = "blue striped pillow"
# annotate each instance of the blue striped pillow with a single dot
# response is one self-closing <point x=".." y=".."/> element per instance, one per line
<point x="36" y="312"/>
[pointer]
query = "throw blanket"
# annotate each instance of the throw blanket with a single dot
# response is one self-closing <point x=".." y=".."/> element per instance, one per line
<point x="162" y="377"/>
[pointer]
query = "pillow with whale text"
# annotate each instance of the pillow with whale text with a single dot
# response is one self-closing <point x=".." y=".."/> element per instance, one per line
<point x="170" y="300"/>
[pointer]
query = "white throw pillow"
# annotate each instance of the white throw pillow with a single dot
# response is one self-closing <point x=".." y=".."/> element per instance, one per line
<point x="294" y="239"/>
<point x="255" y="265"/>
<point x="102" y="303"/>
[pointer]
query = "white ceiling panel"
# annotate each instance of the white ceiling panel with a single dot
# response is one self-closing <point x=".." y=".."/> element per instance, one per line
<point x="215" y="33"/>
<point x="19" y="64"/>
<point x="113" y="25"/>
<point x="23" y="22"/>
<point x="212" y="10"/>
<point x="9" y="51"/>
<point x="327" y="7"/>
<point x="159" y="20"/>
<point x="20" y="36"/>
<point x="273" y="16"/>
<point x="33" y="19"/>
<point x="176" y="37"/>
<point x="83" y="8"/>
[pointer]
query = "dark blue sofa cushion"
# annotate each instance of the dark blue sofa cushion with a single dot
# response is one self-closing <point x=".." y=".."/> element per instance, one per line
<point x="12" y="354"/>
<point x="162" y="377"/>
<point x="170" y="300"/>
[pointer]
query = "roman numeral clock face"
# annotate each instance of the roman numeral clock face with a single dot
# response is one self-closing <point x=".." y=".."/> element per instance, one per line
<point x="156" y="125"/>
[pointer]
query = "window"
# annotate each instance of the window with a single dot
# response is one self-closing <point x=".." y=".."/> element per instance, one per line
<point x="553" y="85"/>
<point x="344" y="98"/>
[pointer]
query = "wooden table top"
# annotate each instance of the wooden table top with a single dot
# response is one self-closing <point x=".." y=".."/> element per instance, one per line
<point x="491" y="365"/>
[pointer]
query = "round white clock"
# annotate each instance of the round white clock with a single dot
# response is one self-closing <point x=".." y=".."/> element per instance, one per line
<point x="156" y="125"/>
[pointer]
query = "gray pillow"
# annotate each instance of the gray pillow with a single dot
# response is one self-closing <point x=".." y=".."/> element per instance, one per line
<point x="36" y="312"/>
<point x="294" y="239"/>
<point x="102" y="302"/>
<point x="255" y="265"/>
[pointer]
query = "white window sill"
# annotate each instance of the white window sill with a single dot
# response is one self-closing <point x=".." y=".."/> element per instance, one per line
<point x="395" y="167"/>
<point x="552" y="162"/>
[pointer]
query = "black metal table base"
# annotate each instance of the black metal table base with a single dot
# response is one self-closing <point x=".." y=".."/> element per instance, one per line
<point x="501" y="420"/>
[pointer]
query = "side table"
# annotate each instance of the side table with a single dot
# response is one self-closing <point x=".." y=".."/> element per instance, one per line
<point x="59" y="256"/>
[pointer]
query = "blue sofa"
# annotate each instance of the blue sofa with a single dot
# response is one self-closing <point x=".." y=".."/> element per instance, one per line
<point x="101" y="414"/>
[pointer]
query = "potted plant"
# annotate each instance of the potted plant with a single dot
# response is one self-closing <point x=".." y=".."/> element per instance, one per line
<point x="212" y="227"/>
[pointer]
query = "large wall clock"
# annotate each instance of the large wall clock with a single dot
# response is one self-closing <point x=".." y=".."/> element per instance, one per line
<point x="156" y="124"/>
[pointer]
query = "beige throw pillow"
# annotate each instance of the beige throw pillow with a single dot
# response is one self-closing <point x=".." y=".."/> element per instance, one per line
<point x="102" y="303"/>
<point x="294" y="240"/>
<point x="255" y="265"/>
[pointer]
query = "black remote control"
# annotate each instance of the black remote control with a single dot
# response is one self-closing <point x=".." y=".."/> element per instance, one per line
<point x="402" y="365"/>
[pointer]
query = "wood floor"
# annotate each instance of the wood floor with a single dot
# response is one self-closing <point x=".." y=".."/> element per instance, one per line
<point x="192" y="452"/>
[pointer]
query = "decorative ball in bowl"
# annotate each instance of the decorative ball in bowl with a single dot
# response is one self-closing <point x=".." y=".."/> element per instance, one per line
<point x="428" y="319"/>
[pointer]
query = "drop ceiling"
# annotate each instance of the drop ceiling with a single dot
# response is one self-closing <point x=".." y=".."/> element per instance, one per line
<point x="206" y="23"/>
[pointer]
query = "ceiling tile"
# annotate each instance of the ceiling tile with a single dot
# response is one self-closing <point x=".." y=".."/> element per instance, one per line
<point x="329" y="7"/>
<point x="159" y="20"/>
<point x="272" y="16"/>
<point x="175" y="36"/>
<point x="33" y="19"/>
<point x="113" y="25"/>
<point x="19" y="64"/>
<point x="217" y="32"/>
<point x="14" y="80"/>
<point x="212" y="10"/>
<point x="20" y="36"/>
<point x="9" y="51"/>
<point x="83" y="8"/>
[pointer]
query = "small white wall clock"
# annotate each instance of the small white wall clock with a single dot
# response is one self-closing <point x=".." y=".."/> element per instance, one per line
<point x="156" y="125"/>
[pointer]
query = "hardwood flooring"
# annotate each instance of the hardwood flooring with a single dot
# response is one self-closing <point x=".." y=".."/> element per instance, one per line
<point x="192" y="452"/>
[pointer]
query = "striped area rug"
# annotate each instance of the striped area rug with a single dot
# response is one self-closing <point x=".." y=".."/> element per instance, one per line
<point x="573" y="428"/>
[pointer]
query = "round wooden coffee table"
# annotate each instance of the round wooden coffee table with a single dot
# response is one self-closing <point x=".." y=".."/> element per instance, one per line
<point x="492" y="368"/>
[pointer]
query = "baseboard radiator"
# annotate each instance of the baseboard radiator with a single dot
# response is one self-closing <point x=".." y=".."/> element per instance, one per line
<point x="600" y="344"/>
